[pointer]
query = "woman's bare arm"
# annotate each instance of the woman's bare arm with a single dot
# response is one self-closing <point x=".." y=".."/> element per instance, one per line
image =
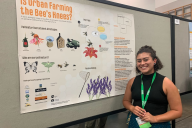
<point x="174" y="101"/>
<point x="127" y="101"/>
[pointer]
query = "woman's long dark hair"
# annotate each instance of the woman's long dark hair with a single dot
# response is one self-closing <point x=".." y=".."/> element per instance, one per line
<point x="149" y="49"/>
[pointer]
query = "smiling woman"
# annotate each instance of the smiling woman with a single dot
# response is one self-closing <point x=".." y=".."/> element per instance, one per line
<point x="147" y="61"/>
<point x="152" y="93"/>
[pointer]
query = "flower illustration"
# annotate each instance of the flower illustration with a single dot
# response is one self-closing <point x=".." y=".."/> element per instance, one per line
<point x="99" y="87"/>
<point x="90" y="52"/>
<point x="36" y="40"/>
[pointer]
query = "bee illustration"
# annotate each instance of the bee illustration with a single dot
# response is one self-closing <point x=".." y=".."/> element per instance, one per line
<point x="89" y="43"/>
<point x="66" y="64"/>
<point x="59" y="66"/>
<point x="85" y="33"/>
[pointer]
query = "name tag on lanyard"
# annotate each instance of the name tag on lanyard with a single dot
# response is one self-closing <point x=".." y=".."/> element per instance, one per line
<point x="143" y="124"/>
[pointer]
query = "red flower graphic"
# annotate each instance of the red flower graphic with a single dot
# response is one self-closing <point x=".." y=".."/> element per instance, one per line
<point x="90" y="52"/>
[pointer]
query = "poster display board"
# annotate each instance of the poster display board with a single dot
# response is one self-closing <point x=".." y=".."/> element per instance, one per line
<point x="190" y="48"/>
<point x="71" y="53"/>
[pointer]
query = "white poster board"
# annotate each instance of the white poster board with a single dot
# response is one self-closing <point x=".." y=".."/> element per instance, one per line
<point x="190" y="48"/>
<point x="71" y="53"/>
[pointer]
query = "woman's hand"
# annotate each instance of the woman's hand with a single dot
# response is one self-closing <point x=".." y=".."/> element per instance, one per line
<point x="149" y="118"/>
<point x="139" y="111"/>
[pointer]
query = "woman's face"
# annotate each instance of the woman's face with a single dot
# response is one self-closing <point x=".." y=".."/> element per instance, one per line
<point x="145" y="63"/>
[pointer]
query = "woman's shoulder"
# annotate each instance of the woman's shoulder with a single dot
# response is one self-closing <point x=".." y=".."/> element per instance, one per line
<point x="166" y="80"/>
<point x="132" y="80"/>
<point x="160" y="75"/>
<point x="168" y="85"/>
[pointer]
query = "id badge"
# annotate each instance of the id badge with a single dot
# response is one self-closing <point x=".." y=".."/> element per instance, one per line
<point x="143" y="124"/>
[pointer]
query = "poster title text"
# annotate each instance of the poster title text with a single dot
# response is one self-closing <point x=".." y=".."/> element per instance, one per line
<point x="65" y="15"/>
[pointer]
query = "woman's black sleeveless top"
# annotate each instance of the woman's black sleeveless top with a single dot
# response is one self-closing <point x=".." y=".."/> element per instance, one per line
<point x="157" y="101"/>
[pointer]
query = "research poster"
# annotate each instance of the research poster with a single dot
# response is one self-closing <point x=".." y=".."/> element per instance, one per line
<point x="72" y="53"/>
<point x="190" y="48"/>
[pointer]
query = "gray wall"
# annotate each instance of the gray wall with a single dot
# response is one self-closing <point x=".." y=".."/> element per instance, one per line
<point x="150" y="29"/>
<point x="145" y="4"/>
<point x="182" y="79"/>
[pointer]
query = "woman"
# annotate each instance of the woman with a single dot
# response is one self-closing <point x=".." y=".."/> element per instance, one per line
<point x="151" y="108"/>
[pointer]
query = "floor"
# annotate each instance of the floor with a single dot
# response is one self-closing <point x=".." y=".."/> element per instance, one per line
<point x="119" y="120"/>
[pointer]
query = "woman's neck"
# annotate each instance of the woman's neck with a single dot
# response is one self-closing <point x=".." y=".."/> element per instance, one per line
<point x="148" y="73"/>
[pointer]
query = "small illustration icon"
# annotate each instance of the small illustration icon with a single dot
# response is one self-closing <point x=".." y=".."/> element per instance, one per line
<point x="27" y="95"/>
<point x="72" y="43"/>
<point x="48" y="65"/>
<point x="40" y="85"/>
<point x="101" y="29"/>
<point x="27" y="104"/>
<point x="89" y="43"/>
<point x="29" y="67"/>
<point x="98" y="87"/>
<point x="74" y="65"/>
<point x="50" y="40"/>
<point x="59" y="66"/>
<point x="36" y="40"/>
<point x="85" y="33"/>
<point x="95" y="33"/>
<point x="66" y="64"/>
<point x="90" y="52"/>
<point x="52" y="100"/>
<point x="27" y="87"/>
<point x="60" y="42"/>
<point x="103" y="36"/>
<point x="27" y="99"/>
<point x="26" y="91"/>
<point x="85" y="76"/>
<point x="52" y="96"/>
<point x="79" y="22"/>
<point x="25" y="42"/>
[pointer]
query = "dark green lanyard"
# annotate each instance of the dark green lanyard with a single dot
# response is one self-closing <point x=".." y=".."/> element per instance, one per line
<point x="144" y="101"/>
